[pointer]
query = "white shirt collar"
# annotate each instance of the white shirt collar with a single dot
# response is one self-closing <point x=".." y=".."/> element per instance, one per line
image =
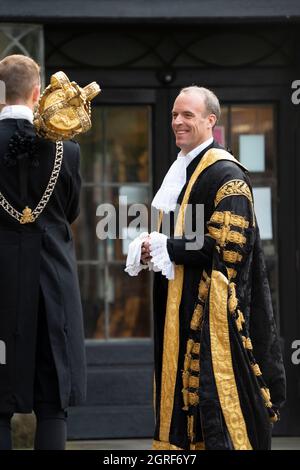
<point x="17" y="111"/>
<point x="175" y="179"/>
<point x="196" y="151"/>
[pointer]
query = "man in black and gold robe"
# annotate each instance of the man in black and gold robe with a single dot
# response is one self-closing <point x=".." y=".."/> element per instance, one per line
<point x="219" y="375"/>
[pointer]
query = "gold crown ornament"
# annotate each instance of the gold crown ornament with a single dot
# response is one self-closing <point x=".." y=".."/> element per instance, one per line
<point x="64" y="108"/>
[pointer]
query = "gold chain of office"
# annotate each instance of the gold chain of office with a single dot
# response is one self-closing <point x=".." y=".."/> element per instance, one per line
<point x="28" y="215"/>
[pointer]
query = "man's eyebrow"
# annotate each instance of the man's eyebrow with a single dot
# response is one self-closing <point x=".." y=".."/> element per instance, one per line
<point x="183" y="112"/>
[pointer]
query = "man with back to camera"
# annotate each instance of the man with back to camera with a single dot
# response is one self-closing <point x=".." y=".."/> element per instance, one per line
<point x="40" y="309"/>
<point x="219" y="375"/>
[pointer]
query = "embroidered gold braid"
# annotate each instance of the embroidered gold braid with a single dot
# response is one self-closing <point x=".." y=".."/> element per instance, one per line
<point x="28" y="215"/>
<point x="232" y="256"/>
<point x="233" y="219"/>
<point x="235" y="188"/>
<point x="224" y="235"/>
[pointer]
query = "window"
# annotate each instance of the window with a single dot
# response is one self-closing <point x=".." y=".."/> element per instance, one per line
<point x="116" y="162"/>
<point x="249" y="131"/>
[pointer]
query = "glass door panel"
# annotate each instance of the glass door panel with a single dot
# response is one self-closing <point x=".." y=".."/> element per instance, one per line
<point x="249" y="131"/>
<point x="116" y="162"/>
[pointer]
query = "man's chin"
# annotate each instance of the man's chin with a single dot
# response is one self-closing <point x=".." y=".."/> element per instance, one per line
<point x="181" y="143"/>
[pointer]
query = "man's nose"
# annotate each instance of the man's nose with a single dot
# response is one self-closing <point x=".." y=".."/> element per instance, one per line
<point x="177" y="120"/>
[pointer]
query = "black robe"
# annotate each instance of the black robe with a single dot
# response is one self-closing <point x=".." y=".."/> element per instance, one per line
<point x="38" y="257"/>
<point x="219" y="375"/>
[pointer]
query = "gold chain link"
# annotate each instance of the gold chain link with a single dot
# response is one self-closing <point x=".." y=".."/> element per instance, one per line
<point x="27" y="215"/>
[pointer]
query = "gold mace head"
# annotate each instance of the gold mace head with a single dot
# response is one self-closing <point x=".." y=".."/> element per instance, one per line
<point x="64" y="108"/>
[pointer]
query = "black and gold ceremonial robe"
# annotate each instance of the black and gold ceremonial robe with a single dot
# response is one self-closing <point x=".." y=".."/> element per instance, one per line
<point x="219" y="374"/>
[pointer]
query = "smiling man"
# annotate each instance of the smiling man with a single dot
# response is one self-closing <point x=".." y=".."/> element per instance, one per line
<point x="219" y="375"/>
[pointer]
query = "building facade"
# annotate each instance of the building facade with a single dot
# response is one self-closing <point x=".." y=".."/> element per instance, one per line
<point x="142" y="53"/>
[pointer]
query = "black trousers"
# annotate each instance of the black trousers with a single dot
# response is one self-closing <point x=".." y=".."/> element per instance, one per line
<point x="51" y="418"/>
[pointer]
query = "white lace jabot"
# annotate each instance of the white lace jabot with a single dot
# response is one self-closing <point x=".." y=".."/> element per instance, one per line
<point x="167" y="195"/>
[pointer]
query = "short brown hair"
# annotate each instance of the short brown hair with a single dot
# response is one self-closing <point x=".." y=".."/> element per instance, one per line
<point x="20" y="74"/>
<point x="211" y="101"/>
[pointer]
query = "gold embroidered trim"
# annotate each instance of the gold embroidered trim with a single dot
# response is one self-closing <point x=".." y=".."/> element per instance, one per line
<point x="222" y="363"/>
<point x="232" y="256"/>
<point x="159" y="445"/>
<point x="228" y="218"/>
<point x="224" y="235"/>
<point x="197" y="446"/>
<point x="171" y="330"/>
<point x="233" y="188"/>
<point x="170" y="353"/>
<point x="160" y="218"/>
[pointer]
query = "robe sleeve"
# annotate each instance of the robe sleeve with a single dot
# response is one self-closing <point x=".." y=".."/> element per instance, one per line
<point x="238" y="255"/>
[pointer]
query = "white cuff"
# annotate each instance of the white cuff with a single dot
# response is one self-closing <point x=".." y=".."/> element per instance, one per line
<point x="133" y="261"/>
<point x="160" y="256"/>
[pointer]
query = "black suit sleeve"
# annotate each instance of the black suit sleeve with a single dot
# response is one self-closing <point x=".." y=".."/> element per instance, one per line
<point x="196" y="257"/>
<point x="73" y="207"/>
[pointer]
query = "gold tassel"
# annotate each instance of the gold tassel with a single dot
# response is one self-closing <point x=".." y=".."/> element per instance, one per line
<point x="193" y="398"/>
<point x="274" y="418"/>
<point x="231" y="273"/>
<point x="266" y="396"/>
<point x="197" y="317"/>
<point x="232" y="301"/>
<point x="194" y="365"/>
<point x="196" y="348"/>
<point x="185" y="378"/>
<point x="191" y="434"/>
<point x="256" y="369"/>
<point x="189" y="346"/>
<point x="193" y="381"/>
<point x="185" y="395"/>
<point x="240" y="320"/>
<point x="187" y="361"/>
<point x="203" y="290"/>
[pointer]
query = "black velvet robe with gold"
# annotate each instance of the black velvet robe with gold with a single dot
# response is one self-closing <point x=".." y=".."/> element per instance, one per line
<point x="219" y="375"/>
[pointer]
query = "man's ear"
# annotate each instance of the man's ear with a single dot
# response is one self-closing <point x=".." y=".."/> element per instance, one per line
<point x="36" y="94"/>
<point x="212" y="119"/>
